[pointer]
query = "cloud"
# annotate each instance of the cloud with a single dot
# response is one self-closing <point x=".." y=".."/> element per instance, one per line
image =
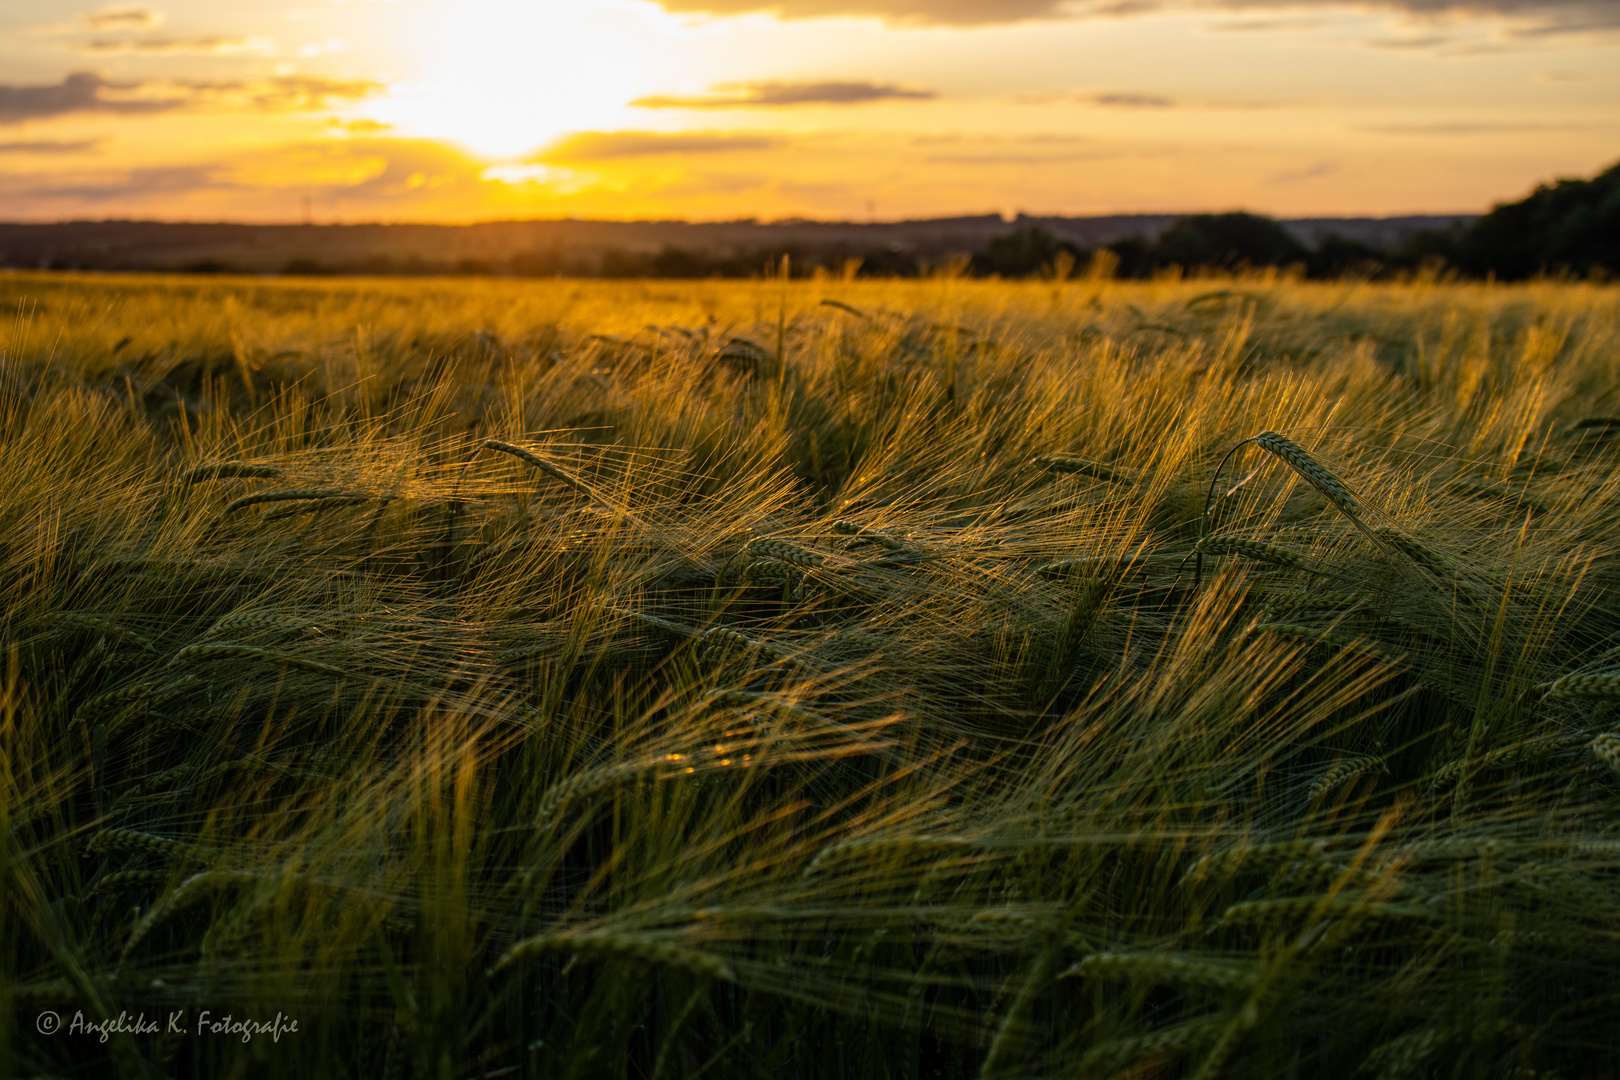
<point x="169" y="180"/>
<point x="608" y="145"/>
<point x="82" y="91"/>
<point x="89" y="92"/>
<point x="1300" y="176"/>
<point x="198" y="46"/>
<point x="1463" y="127"/>
<point x="50" y="146"/>
<point x="1546" y="16"/>
<point x="1133" y="101"/>
<point x="950" y="12"/>
<point x="1130" y="99"/>
<point x="778" y="94"/>
<point x="129" y="18"/>
<point x="1013" y="150"/>
<point x="1425" y="41"/>
<point x="306" y="93"/>
<point x="1263" y="26"/>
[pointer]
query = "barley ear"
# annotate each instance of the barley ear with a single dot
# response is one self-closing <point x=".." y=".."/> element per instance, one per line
<point x="556" y="472"/>
<point x="1607" y="749"/>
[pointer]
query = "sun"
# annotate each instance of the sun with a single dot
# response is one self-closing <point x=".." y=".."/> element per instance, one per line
<point x="504" y="77"/>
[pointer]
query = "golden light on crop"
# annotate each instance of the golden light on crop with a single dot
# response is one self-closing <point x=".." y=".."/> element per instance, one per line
<point x="504" y="77"/>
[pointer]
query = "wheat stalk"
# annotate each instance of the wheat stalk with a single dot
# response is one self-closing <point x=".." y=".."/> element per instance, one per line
<point x="1310" y="470"/>
<point x="1257" y="856"/>
<point x="1058" y="463"/>
<point x="114" y="699"/>
<point x="1257" y="550"/>
<point x="256" y="622"/>
<point x="125" y="879"/>
<point x="1102" y="1060"/>
<point x="1315" y="602"/>
<point x="286" y="495"/>
<point x="1296" y="458"/>
<point x="94" y="624"/>
<point x="1519" y="752"/>
<point x="650" y="949"/>
<point x="858" y="532"/>
<point x="768" y="572"/>
<point x="185" y="894"/>
<point x="1343" y="771"/>
<point x="897" y="844"/>
<point x="556" y="472"/>
<point x="196" y="653"/>
<point x="230" y="470"/>
<point x="720" y="641"/>
<point x="1107" y="569"/>
<point x="1297" y="907"/>
<point x="152" y="783"/>
<point x="1165" y="968"/>
<point x="131" y="840"/>
<point x="604" y="778"/>
<point x="1602" y="684"/>
<point x="1327" y="638"/>
<point x="1607" y="749"/>
<point x="781" y="551"/>
<point x="319" y="506"/>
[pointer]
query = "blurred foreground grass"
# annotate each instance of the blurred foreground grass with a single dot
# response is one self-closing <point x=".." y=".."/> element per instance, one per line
<point x="823" y="679"/>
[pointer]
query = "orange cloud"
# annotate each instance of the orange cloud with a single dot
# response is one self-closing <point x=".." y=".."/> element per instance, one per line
<point x="130" y="18"/>
<point x="1543" y="15"/>
<point x="608" y="145"/>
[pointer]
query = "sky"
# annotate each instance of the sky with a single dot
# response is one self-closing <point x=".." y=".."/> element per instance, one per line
<point x="854" y="110"/>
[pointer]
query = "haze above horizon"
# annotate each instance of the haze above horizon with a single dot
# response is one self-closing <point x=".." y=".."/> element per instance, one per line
<point x="473" y="110"/>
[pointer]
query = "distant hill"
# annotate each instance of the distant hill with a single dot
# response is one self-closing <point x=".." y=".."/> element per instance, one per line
<point x="666" y="248"/>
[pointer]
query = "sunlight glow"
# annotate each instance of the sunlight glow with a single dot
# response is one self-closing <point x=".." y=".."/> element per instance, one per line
<point x="507" y="76"/>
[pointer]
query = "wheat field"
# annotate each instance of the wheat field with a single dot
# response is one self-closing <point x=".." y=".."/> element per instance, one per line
<point x="816" y="678"/>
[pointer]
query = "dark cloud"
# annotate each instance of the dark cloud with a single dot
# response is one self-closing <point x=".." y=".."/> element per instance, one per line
<point x="1130" y="99"/>
<point x="130" y="18"/>
<point x="1133" y="101"/>
<point x="778" y="94"/>
<point x="606" y="145"/>
<point x="50" y="146"/>
<point x="135" y="183"/>
<point x="83" y="91"/>
<point x="88" y="92"/>
<point x="1548" y="15"/>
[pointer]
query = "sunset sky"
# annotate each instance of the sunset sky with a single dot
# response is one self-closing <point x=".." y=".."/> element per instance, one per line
<point x="467" y="110"/>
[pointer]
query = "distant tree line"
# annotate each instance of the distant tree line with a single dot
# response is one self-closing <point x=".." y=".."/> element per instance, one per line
<point x="1571" y="227"/>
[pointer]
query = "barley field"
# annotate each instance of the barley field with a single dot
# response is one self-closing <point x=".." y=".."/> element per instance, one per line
<point x="809" y="679"/>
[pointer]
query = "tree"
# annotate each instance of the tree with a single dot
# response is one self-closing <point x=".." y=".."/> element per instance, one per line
<point x="1228" y="242"/>
<point x="1026" y="251"/>
<point x="1572" y="225"/>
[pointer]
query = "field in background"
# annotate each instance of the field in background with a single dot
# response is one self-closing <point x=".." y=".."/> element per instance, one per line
<point x="810" y="679"/>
